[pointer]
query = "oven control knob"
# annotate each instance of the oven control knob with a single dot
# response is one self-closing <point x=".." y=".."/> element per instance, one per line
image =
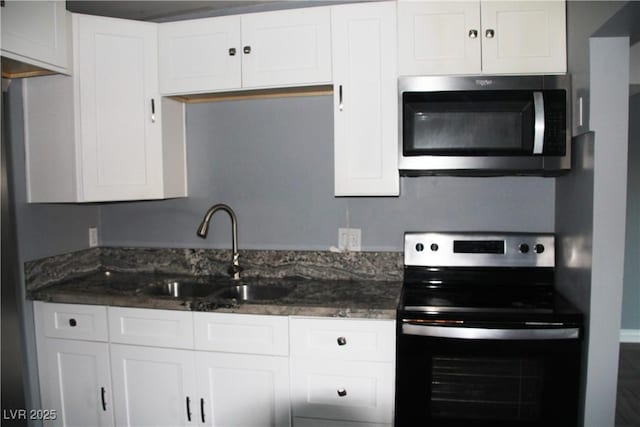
<point x="419" y="247"/>
<point x="539" y="248"/>
<point x="523" y="248"/>
<point x="434" y="247"/>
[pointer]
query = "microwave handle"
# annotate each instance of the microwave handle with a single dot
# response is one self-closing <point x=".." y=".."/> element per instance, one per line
<point x="538" y="130"/>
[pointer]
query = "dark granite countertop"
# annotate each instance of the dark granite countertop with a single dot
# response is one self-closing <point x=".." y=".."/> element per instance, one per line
<point x="308" y="297"/>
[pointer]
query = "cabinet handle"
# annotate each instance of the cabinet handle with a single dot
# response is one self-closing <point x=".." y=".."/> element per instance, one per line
<point x="153" y="110"/>
<point x="489" y="33"/>
<point x="342" y="392"/>
<point x="232" y="51"/>
<point x="246" y="49"/>
<point x="188" y="409"/>
<point x="104" y="402"/>
<point x="340" y="105"/>
<point x="473" y="34"/>
<point x="73" y="322"/>
<point x="202" y="409"/>
<point x="342" y="341"/>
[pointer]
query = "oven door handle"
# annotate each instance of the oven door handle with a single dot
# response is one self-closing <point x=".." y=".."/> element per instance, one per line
<point x="490" y="333"/>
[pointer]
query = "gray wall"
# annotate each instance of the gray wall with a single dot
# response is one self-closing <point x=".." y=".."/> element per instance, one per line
<point x="631" y="291"/>
<point x="583" y="19"/>
<point x="272" y="161"/>
<point x="610" y="121"/>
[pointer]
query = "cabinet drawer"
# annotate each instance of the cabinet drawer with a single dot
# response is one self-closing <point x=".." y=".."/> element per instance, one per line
<point x="242" y="333"/>
<point x="158" y="328"/>
<point x="72" y="321"/>
<point x="352" y="391"/>
<point x="344" y="339"/>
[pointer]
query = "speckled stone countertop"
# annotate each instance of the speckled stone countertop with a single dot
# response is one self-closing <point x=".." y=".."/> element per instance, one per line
<point x="319" y="283"/>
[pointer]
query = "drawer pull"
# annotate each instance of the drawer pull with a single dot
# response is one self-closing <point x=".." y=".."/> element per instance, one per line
<point x="73" y="322"/>
<point x="188" y="409"/>
<point x="342" y="341"/>
<point x="342" y="392"/>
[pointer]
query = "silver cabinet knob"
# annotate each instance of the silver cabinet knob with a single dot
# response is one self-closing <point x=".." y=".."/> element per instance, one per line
<point x="246" y="49"/>
<point x="489" y="33"/>
<point x="232" y="51"/>
<point x="342" y="392"/>
<point x="473" y="34"/>
<point x="342" y="341"/>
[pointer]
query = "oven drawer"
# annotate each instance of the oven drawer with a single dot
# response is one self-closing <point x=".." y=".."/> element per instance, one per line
<point x="343" y="339"/>
<point x="351" y="391"/>
<point x="152" y="327"/>
<point x="317" y="422"/>
<point x="72" y="321"/>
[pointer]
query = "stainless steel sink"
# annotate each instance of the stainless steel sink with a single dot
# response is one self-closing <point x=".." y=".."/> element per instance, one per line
<point x="178" y="289"/>
<point x="248" y="292"/>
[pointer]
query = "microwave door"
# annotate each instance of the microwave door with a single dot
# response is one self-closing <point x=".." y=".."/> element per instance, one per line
<point x="471" y="123"/>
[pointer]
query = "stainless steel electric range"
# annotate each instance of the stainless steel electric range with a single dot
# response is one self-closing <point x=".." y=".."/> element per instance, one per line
<point x="483" y="338"/>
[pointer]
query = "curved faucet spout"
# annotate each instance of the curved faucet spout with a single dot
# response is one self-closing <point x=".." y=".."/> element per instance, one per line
<point x="203" y="229"/>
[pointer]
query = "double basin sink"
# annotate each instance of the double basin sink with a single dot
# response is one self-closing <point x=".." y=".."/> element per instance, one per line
<point x="227" y="290"/>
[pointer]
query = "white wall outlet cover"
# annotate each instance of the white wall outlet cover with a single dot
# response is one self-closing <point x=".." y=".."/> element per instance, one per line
<point x="93" y="237"/>
<point x="349" y="239"/>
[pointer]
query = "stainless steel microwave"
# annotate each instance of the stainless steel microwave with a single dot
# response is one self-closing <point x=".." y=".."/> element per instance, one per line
<point x="484" y="125"/>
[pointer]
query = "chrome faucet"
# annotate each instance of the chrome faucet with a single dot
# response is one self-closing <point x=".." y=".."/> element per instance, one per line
<point x="234" y="269"/>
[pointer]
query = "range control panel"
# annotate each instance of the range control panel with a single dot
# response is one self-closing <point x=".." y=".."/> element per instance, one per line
<point x="479" y="249"/>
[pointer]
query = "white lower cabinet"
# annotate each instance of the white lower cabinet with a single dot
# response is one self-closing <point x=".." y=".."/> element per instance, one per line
<point x="75" y="381"/>
<point x="243" y="390"/>
<point x="73" y="364"/>
<point x="153" y="386"/>
<point x="106" y="366"/>
<point x="342" y="371"/>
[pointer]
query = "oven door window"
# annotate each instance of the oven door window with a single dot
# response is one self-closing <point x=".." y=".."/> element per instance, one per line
<point x="486" y="388"/>
<point x="470" y="123"/>
<point x="459" y="382"/>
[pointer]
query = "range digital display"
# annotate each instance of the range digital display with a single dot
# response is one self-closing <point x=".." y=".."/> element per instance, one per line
<point x="478" y="246"/>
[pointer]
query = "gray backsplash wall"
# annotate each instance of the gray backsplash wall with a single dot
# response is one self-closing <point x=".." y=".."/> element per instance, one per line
<point x="272" y="161"/>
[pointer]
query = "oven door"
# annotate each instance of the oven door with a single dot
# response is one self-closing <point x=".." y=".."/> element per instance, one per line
<point x="486" y="376"/>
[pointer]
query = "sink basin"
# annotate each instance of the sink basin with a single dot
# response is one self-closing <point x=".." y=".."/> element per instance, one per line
<point x="178" y="289"/>
<point x="246" y="292"/>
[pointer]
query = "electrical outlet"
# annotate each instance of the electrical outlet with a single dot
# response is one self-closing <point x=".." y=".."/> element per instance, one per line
<point x="93" y="237"/>
<point x="349" y="239"/>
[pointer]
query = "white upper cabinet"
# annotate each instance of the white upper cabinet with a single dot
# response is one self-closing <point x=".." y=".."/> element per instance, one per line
<point x="37" y="33"/>
<point x="271" y="49"/>
<point x="473" y="37"/>
<point x="286" y="48"/>
<point x="104" y="134"/>
<point x="200" y="55"/>
<point x="439" y="37"/>
<point x="527" y="37"/>
<point x="365" y="99"/>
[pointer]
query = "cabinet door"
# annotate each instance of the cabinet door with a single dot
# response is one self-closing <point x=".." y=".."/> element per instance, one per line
<point x="291" y="47"/>
<point x="153" y="386"/>
<point x="75" y="380"/>
<point x="438" y="37"/>
<point x="200" y="55"/>
<point x="38" y="33"/>
<point x="524" y="37"/>
<point x="243" y="390"/>
<point x="365" y="99"/>
<point x="119" y="105"/>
